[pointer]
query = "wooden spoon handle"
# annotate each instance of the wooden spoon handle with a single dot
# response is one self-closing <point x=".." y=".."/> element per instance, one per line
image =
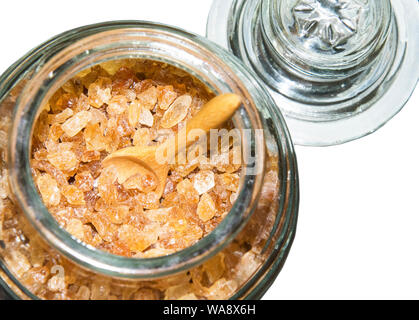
<point x="212" y="115"/>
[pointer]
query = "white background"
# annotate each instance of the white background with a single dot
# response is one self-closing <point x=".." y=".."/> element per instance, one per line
<point x="358" y="230"/>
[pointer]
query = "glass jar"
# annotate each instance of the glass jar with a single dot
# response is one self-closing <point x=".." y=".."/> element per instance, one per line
<point x="39" y="259"/>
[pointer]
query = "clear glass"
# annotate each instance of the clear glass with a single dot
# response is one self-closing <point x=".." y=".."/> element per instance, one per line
<point x="264" y="215"/>
<point x="338" y="70"/>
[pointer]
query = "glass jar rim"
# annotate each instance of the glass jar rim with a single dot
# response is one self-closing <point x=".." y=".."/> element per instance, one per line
<point x="23" y="186"/>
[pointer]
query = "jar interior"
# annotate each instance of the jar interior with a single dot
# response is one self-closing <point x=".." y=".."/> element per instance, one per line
<point x="83" y="123"/>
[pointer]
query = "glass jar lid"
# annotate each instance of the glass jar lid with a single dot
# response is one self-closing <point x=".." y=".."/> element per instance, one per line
<point x="337" y="69"/>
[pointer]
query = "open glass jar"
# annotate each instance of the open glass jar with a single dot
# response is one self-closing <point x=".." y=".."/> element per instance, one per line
<point x="238" y="260"/>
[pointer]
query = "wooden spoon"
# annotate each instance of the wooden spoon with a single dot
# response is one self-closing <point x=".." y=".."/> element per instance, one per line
<point x="131" y="161"/>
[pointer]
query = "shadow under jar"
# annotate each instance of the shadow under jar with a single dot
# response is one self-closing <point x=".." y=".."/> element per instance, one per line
<point x="238" y="260"/>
